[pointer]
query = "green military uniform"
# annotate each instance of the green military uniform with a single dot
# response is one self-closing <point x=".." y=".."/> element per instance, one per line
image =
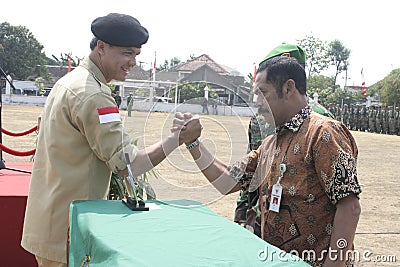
<point x="378" y="120"/>
<point x="332" y="109"/>
<point x="385" y="120"/>
<point x="81" y="117"/>
<point x="256" y="131"/>
<point x="364" y="118"/>
<point x="346" y="116"/>
<point x="372" y="119"/>
<point x="247" y="203"/>
<point x="357" y="116"/>
<point x="338" y="112"/>
<point x="352" y="119"/>
<point x="392" y="120"/>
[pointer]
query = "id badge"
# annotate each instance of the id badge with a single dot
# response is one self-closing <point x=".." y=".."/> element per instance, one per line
<point x="276" y="196"/>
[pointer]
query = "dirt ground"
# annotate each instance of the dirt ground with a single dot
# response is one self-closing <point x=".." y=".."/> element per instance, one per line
<point x="378" y="233"/>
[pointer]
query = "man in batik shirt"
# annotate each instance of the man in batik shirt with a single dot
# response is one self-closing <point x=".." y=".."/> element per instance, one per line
<point x="311" y="158"/>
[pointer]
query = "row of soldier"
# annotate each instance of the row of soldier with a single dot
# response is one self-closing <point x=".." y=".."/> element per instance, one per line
<point x="374" y="119"/>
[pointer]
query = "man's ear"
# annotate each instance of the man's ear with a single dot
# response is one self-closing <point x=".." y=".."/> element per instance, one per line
<point x="289" y="88"/>
<point x="101" y="46"/>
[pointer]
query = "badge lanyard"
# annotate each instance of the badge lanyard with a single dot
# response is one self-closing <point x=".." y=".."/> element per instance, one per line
<point x="276" y="193"/>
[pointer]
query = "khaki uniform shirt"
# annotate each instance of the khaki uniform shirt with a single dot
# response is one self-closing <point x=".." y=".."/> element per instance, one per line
<point x="81" y="141"/>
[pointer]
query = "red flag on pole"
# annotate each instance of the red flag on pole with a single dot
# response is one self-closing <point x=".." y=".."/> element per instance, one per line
<point x="154" y="66"/>
<point x="69" y="62"/>
<point x="254" y="81"/>
<point x="364" y="89"/>
<point x="362" y="75"/>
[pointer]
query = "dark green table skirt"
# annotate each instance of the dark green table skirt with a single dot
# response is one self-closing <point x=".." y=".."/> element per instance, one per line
<point x="176" y="233"/>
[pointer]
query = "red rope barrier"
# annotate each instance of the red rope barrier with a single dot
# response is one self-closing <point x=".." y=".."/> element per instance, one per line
<point x="20" y="134"/>
<point x="17" y="153"/>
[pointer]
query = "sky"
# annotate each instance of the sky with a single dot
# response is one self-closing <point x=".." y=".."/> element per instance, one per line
<point x="234" y="33"/>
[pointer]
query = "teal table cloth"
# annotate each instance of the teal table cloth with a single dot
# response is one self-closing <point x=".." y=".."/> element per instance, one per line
<point x="172" y="233"/>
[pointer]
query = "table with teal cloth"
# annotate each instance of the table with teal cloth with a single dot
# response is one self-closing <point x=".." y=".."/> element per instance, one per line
<point x="175" y="233"/>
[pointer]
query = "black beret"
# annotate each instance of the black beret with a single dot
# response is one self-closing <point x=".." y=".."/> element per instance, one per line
<point x="120" y="30"/>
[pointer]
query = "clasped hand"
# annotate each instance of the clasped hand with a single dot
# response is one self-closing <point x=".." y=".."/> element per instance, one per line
<point x="187" y="127"/>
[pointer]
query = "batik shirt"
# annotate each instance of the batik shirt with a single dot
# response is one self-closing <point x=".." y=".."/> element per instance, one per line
<point x="320" y="156"/>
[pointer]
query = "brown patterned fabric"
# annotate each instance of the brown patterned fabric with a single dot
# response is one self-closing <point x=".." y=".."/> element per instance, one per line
<point x="320" y="156"/>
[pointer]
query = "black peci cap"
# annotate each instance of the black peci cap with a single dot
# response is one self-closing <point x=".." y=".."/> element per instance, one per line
<point x="120" y="30"/>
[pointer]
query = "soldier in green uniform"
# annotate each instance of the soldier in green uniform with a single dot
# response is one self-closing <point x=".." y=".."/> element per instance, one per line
<point x="338" y="112"/>
<point x="363" y="118"/>
<point x="332" y="109"/>
<point x="247" y="204"/>
<point x="357" y="117"/>
<point x="378" y="120"/>
<point x="392" y="120"/>
<point x="346" y="116"/>
<point x="385" y="120"/>
<point x="352" y="120"/>
<point x="372" y="119"/>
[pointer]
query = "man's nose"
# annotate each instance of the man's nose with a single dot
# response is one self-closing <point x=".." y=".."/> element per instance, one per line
<point x="132" y="62"/>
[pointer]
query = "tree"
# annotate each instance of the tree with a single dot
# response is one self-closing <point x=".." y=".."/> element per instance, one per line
<point x="388" y="89"/>
<point x="169" y="65"/>
<point x="64" y="59"/>
<point x="345" y="96"/>
<point x="192" y="92"/>
<point x="40" y="84"/>
<point x="317" y="54"/>
<point x="326" y="96"/>
<point x="322" y="85"/>
<point x="20" y="52"/>
<point x="250" y="81"/>
<point x="339" y="56"/>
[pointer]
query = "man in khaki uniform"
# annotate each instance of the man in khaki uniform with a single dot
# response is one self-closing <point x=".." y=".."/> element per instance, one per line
<point x="82" y="140"/>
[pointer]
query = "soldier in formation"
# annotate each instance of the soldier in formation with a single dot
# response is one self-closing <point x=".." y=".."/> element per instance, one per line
<point x="363" y="118"/>
<point x="373" y="119"/>
<point x="392" y="120"/>
<point x="346" y="115"/>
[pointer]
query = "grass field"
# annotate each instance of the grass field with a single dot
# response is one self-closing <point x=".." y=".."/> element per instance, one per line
<point x="378" y="232"/>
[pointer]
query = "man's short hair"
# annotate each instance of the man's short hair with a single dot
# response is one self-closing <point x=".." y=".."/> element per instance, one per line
<point x="280" y="69"/>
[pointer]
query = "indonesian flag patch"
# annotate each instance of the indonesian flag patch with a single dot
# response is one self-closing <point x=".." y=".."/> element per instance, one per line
<point x="108" y="114"/>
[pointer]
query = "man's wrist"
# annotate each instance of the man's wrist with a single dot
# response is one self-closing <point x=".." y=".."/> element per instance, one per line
<point x="193" y="144"/>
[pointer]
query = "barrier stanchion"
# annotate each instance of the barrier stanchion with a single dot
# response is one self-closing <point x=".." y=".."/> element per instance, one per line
<point x="2" y="147"/>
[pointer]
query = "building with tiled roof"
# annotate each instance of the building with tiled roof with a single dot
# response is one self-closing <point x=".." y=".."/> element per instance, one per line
<point x="223" y="80"/>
